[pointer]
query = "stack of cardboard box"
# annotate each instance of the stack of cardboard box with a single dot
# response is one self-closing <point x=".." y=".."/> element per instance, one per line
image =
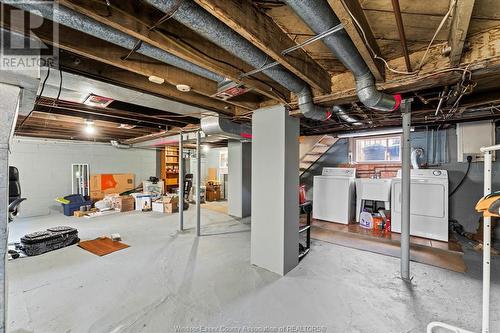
<point x="213" y="191"/>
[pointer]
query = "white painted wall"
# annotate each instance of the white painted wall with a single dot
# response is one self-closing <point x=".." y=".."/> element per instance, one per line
<point x="45" y="168"/>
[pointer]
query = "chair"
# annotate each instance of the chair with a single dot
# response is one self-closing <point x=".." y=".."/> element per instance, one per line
<point x="14" y="192"/>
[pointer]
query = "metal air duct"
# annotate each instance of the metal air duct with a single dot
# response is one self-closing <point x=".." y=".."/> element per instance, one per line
<point x="197" y="19"/>
<point x="77" y="21"/>
<point x="216" y="125"/>
<point x="319" y="16"/>
<point x="342" y="114"/>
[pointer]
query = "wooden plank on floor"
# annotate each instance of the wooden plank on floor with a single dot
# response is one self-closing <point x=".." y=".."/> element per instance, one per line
<point x="419" y="253"/>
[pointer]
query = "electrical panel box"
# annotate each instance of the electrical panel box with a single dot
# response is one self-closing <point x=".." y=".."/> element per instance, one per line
<point x="471" y="137"/>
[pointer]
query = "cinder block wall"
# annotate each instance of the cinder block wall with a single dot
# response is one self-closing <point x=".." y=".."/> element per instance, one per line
<point x="45" y="168"/>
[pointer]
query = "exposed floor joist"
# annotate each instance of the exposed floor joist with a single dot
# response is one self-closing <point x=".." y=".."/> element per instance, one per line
<point x="344" y="14"/>
<point x="261" y="31"/>
<point x="87" y="46"/>
<point x="459" y="27"/>
<point x="437" y="70"/>
<point x="125" y="78"/>
<point x="136" y="19"/>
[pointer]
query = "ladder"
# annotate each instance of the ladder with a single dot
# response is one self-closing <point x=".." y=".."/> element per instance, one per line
<point x="314" y="154"/>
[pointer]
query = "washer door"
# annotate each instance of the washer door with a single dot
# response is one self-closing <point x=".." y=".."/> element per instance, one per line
<point x="332" y="199"/>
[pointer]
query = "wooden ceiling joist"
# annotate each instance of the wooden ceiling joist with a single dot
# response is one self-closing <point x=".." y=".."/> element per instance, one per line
<point x="344" y="14"/>
<point x="263" y="32"/>
<point x="94" y="48"/>
<point x="125" y="78"/>
<point x="459" y="27"/>
<point x="437" y="71"/>
<point x="136" y="22"/>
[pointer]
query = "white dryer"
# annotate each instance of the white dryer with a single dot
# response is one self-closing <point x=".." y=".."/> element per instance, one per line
<point x="428" y="204"/>
<point x="333" y="195"/>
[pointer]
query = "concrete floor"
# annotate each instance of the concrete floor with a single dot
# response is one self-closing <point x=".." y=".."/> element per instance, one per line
<point x="167" y="280"/>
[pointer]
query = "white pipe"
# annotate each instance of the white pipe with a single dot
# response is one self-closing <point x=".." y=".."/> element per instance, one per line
<point x="490" y="148"/>
<point x="181" y="184"/>
<point x="487" y="242"/>
<point x="198" y="183"/>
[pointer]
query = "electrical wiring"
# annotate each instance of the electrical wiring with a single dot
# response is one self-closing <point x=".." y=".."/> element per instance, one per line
<point x="386" y="64"/>
<point x="37" y="99"/>
<point x="58" y="95"/>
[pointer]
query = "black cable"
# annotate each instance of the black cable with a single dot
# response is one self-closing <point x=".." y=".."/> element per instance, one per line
<point x="37" y="99"/>
<point x="469" y="160"/>
<point x="60" y="85"/>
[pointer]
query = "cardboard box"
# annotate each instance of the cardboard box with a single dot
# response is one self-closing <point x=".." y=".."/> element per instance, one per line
<point x="167" y="204"/>
<point x="171" y="199"/>
<point x="158" y="206"/>
<point x="124" y="203"/>
<point x="142" y="201"/>
<point x="172" y="207"/>
<point x="102" y="184"/>
<point x="78" y="213"/>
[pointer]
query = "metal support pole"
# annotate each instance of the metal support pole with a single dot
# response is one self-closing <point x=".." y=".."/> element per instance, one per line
<point x="486" y="246"/>
<point x="198" y="183"/>
<point x="181" y="183"/>
<point x="405" y="190"/>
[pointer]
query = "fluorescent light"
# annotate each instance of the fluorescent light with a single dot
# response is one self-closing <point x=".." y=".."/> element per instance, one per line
<point x="385" y="131"/>
<point x="156" y="79"/>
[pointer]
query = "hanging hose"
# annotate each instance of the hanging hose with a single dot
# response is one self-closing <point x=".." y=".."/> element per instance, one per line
<point x="469" y="160"/>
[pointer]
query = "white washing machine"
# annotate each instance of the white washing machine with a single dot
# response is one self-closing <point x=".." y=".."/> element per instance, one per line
<point x="333" y="195"/>
<point x="428" y="204"/>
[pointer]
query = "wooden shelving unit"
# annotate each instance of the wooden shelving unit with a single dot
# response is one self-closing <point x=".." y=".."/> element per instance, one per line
<point x="170" y="167"/>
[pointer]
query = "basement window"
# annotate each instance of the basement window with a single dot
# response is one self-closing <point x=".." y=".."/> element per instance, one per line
<point x="380" y="149"/>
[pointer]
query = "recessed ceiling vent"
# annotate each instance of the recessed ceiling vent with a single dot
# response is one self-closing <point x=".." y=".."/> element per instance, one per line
<point x="97" y="101"/>
<point x="229" y="89"/>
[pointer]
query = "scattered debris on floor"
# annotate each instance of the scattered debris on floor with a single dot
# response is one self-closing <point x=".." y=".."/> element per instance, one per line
<point x="116" y="237"/>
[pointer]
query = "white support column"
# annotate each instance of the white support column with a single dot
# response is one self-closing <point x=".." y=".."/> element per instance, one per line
<point x="405" y="190"/>
<point x="486" y="247"/>
<point x="181" y="183"/>
<point x="275" y="190"/>
<point x="9" y="107"/>
<point x="198" y="183"/>
<point x="239" y="178"/>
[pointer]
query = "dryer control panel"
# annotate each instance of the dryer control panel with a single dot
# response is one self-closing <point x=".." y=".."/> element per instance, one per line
<point x="339" y="172"/>
<point x="426" y="173"/>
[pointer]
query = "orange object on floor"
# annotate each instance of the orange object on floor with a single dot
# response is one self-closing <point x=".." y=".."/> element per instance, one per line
<point x="102" y="246"/>
<point x="302" y="194"/>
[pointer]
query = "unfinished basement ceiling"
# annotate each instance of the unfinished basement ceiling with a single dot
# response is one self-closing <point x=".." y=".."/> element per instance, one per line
<point x="469" y="86"/>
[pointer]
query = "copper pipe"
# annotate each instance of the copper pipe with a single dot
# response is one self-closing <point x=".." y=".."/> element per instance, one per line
<point x="401" y="31"/>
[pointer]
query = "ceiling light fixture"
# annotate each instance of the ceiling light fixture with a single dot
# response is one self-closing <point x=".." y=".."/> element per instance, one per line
<point x="89" y="127"/>
<point x="156" y="79"/>
<point x="183" y="87"/>
<point x="384" y="131"/>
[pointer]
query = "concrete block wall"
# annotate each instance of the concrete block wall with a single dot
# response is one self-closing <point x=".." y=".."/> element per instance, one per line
<point x="45" y="168"/>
